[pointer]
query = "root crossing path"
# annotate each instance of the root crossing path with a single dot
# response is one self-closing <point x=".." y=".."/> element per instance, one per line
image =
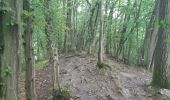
<point x="85" y="82"/>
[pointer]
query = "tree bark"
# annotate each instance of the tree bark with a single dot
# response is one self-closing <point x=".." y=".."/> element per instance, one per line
<point x="151" y="38"/>
<point x="93" y="21"/>
<point x="122" y="37"/>
<point x="1" y="50"/>
<point x="69" y="36"/>
<point x="100" y="52"/>
<point x="109" y="29"/>
<point x="161" y="76"/>
<point x="52" y="48"/>
<point x="8" y="50"/>
<point x="29" y="56"/>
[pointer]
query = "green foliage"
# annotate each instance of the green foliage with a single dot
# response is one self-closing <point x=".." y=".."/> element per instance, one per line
<point x="41" y="64"/>
<point x="167" y="40"/>
<point x="13" y="22"/>
<point x="66" y="92"/>
<point x="7" y="71"/>
<point x="4" y="7"/>
<point x="63" y="94"/>
<point x="58" y="17"/>
<point x="2" y="84"/>
<point x="5" y="10"/>
<point x="27" y="14"/>
<point x="162" y="24"/>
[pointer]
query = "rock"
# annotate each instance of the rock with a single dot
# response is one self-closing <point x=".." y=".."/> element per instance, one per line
<point x="165" y="92"/>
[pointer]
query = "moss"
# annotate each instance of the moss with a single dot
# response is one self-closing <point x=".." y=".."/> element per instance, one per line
<point x="64" y="94"/>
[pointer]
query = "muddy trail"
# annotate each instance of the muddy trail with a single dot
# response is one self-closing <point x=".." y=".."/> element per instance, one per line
<point x="85" y="82"/>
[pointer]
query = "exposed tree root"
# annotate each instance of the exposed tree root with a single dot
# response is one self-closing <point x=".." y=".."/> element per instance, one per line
<point x="104" y="65"/>
<point x="59" y="95"/>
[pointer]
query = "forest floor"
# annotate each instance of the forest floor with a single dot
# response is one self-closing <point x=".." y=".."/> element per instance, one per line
<point x="86" y="82"/>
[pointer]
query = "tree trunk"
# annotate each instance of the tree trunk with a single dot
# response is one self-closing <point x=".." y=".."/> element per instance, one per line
<point x="151" y="38"/>
<point x="19" y="7"/>
<point x="1" y="51"/>
<point x="122" y="37"/>
<point x="52" y="48"/>
<point x="29" y="56"/>
<point x="109" y="29"/>
<point x="100" y="52"/>
<point x="92" y="26"/>
<point x="69" y="36"/>
<point x="9" y="50"/>
<point x="9" y="43"/>
<point x="161" y="76"/>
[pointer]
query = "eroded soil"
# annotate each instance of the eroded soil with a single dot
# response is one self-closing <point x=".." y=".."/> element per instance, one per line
<point x="85" y="82"/>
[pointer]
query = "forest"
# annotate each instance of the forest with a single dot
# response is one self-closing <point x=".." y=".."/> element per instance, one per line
<point x="84" y="49"/>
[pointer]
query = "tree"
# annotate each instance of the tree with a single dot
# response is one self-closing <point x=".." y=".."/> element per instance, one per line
<point x="108" y="35"/>
<point x="28" y="48"/>
<point x="123" y="39"/>
<point x="161" y="76"/>
<point x="92" y="26"/>
<point x="100" y="52"/>
<point x="52" y="46"/>
<point x="150" y="38"/>
<point x="69" y="43"/>
<point x="9" y="47"/>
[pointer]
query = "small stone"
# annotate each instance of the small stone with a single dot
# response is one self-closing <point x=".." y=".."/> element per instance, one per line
<point x="165" y="92"/>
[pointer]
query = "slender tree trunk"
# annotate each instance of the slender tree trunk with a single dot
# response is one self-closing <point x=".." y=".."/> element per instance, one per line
<point x="29" y="56"/>
<point x="1" y="50"/>
<point x="129" y="51"/>
<point x="80" y="42"/>
<point x="19" y="7"/>
<point x="74" y="25"/>
<point x="52" y="49"/>
<point x="100" y="52"/>
<point x="92" y="26"/>
<point x="69" y="36"/>
<point x="109" y="29"/>
<point x="151" y="37"/>
<point x="65" y="30"/>
<point x="122" y="37"/>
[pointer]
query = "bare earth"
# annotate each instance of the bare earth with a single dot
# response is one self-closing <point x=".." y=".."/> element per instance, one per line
<point x="86" y="82"/>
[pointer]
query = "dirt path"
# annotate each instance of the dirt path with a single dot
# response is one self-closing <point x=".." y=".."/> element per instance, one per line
<point x="88" y="83"/>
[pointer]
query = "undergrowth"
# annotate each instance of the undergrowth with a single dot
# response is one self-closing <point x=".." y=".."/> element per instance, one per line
<point x="41" y="64"/>
<point x="63" y="94"/>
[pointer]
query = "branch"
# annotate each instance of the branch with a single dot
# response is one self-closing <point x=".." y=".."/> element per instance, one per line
<point x="88" y="3"/>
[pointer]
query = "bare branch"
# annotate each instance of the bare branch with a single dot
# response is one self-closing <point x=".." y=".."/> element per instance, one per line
<point x="88" y="3"/>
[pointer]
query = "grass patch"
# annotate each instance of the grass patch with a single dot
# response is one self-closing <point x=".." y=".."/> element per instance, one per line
<point x="41" y="64"/>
